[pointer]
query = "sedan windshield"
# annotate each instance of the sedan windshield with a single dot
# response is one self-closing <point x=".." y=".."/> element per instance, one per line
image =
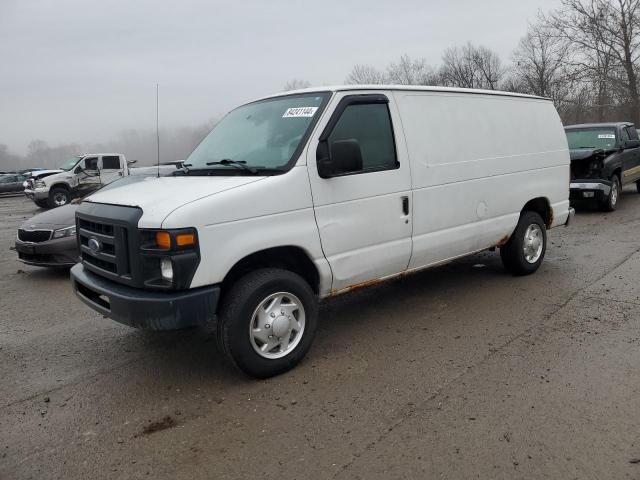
<point x="69" y="164"/>
<point x="258" y="137"/>
<point x="604" y="138"/>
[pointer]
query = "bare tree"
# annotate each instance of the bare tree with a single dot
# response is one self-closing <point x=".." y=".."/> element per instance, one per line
<point x="607" y="34"/>
<point x="365" y="75"/>
<point x="410" y="72"/>
<point x="471" y="67"/>
<point x="296" y="84"/>
<point x="540" y="64"/>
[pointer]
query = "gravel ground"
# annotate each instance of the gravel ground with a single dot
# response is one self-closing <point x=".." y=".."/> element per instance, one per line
<point x="461" y="371"/>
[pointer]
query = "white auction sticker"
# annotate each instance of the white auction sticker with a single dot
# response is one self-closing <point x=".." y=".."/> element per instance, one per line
<point x="300" y="112"/>
<point x="606" y="135"/>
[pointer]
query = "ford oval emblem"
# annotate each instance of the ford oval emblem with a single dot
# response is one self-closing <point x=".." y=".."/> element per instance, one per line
<point x="94" y="245"/>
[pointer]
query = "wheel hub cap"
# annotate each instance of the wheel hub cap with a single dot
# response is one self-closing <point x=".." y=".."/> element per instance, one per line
<point x="281" y="326"/>
<point x="277" y="325"/>
<point x="533" y="243"/>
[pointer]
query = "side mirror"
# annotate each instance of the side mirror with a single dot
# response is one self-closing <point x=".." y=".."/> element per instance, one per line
<point x="344" y="156"/>
<point x="631" y="144"/>
<point x="78" y="169"/>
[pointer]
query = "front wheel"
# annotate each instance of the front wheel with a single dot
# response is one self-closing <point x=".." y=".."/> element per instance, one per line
<point x="638" y="186"/>
<point x="524" y="252"/>
<point x="59" y="197"/>
<point x="267" y="322"/>
<point x="610" y="203"/>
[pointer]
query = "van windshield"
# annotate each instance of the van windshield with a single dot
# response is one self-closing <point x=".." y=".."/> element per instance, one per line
<point x="604" y="138"/>
<point x="258" y="138"/>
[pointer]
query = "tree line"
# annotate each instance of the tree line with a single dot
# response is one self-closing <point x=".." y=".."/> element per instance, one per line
<point x="583" y="55"/>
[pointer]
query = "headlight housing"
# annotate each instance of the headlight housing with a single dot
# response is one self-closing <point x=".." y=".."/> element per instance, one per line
<point x="169" y="257"/>
<point x="39" y="184"/>
<point x="65" y="232"/>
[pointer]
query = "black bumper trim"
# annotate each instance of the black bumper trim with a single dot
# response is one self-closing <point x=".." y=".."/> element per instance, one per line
<point x="143" y="308"/>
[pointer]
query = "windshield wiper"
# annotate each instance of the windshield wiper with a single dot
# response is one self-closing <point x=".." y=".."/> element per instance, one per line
<point x="235" y="163"/>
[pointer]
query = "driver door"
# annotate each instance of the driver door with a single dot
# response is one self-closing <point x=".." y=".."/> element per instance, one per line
<point x="89" y="177"/>
<point x="363" y="214"/>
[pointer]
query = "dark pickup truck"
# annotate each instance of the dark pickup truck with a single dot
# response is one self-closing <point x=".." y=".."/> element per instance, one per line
<point x="604" y="157"/>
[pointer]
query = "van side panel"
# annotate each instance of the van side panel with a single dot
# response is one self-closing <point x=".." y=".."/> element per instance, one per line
<point x="476" y="160"/>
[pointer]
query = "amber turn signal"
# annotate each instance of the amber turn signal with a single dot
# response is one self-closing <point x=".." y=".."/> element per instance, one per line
<point x="185" y="239"/>
<point x="163" y="240"/>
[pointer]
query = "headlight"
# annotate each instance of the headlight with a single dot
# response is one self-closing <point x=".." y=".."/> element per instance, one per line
<point x="166" y="269"/>
<point x="65" y="232"/>
<point x="168" y="257"/>
<point x="40" y="184"/>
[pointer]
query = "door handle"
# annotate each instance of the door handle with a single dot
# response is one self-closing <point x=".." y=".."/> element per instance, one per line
<point x="405" y="205"/>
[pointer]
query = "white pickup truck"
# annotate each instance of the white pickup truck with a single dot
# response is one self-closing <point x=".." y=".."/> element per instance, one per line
<point x="80" y="175"/>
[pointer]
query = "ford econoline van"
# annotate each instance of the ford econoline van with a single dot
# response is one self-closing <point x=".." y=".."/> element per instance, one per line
<point x="305" y="195"/>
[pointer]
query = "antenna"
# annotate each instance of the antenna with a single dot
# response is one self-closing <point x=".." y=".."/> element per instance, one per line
<point x="158" y="126"/>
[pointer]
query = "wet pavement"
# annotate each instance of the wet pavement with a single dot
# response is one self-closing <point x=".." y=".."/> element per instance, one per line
<point x="462" y="371"/>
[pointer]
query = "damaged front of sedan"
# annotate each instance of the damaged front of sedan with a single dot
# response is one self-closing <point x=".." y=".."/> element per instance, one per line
<point x="604" y="158"/>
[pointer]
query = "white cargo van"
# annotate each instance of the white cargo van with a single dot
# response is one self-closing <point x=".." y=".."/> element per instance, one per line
<point x="305" y="195"/>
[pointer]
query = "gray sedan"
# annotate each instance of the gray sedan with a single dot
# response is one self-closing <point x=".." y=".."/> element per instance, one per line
<point x="49" y="238"/>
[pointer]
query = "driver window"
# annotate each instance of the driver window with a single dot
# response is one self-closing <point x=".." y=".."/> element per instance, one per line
<point x="370" y="125"/>
<point x="91" y="163"/>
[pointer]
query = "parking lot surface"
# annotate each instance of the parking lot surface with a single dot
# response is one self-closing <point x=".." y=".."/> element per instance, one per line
<point x="462" y="371"/>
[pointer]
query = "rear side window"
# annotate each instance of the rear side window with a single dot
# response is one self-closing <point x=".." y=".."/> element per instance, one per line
<point x="625" y="135"/>
<point x="633" y="133"/>
<point x="111" y="163"/>
<point x="370" y="125"/>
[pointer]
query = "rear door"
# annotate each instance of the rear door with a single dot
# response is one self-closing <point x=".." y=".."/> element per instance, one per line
<point x="111" y="169"/>
<point x="363" y="216"/>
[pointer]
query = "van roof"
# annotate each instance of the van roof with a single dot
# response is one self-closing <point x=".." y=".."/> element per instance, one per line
<point x="342" y="88"/>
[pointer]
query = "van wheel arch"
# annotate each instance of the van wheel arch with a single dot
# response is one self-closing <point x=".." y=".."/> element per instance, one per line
<point x="292" y="258"/>
<point x="542" y="207"/>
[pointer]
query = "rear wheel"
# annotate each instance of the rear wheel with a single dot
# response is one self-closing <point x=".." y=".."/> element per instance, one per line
<point x="267" y="322"/>
<point x="59" y="197"/>
<point x="524" y="252"/>
<point x="610" y="203"/>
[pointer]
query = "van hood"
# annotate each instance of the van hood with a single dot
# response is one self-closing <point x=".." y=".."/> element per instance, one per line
<point x="159" y="196"/>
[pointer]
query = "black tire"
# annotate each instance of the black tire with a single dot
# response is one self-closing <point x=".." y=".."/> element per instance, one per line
<point x="59" y="197"/>
<point x="512" y="253"/>
<point x="236" y="318"/>
<point x="42" y="203"/>
<point x="638" y="186"/>
<point x="610" y="203"/>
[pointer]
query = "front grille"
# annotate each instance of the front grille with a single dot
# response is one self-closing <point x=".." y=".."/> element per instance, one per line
<point x="34" y="236"/>
<point x="107" y="236"/>
<point x="101" y="245"/>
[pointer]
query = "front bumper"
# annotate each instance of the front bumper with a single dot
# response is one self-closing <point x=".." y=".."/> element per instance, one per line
<point x="59" y="252"/>
<point x="37" y="193"/>
<point x="139" y="308"/>
<point x="587" y="189"/>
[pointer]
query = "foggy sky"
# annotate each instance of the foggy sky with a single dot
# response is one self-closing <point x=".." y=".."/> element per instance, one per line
<point x="82" y="70"/>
